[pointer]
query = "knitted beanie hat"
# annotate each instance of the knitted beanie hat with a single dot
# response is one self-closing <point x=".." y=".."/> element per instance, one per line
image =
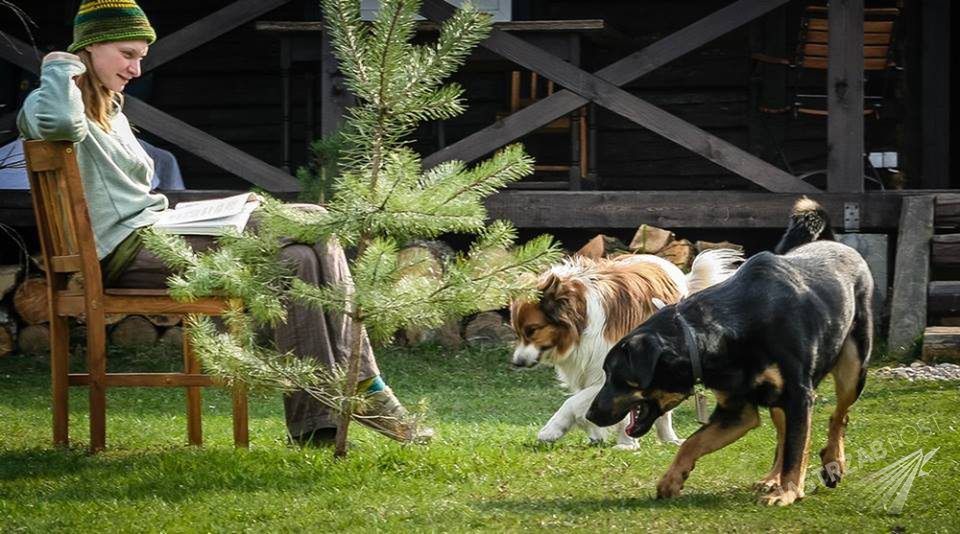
<point x="110" y="20"/>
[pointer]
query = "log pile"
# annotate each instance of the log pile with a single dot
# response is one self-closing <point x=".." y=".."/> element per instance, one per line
<point x="24" y="321"/>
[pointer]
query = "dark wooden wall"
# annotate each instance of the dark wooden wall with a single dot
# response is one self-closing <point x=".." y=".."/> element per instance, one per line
<point x="231" y="88"/>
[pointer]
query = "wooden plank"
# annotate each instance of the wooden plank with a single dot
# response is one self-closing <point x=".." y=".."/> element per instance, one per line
<point x="941" y="344"/>
<point x="620" y="72"/>
<point x="206" y="29"/>
<point x="845" y="97"/>
<point x="935" y="93"/>
<point x="209" y="148"/>
<point x="677" y="209"/>
<point x="947" y="211"/>
<point x="298" y="26"/>
<point x="945" y="250"/>
<point x="911" y="275"/>
<point x="943" y="298"/>
<point x="146" y="380"/>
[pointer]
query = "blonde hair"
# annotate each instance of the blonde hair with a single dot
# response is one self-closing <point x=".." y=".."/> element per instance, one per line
<point x="99" y="103"/>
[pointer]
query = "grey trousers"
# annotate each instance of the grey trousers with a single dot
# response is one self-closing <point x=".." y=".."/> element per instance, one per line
<point x="308" y="332"/>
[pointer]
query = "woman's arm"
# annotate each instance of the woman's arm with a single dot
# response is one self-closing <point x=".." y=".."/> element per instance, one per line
<point x="54" y="111"/>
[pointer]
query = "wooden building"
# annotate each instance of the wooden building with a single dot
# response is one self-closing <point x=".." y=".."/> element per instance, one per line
<point x="678" y="113"/>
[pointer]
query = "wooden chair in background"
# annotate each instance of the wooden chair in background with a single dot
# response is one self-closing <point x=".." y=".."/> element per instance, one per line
<point x="66" y="237"/>
<point x="525" y="89"/>
<point x="808" y="68"/>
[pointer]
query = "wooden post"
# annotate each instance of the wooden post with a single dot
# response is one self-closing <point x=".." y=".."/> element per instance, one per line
<point x="911" y="276"/>
<point x="192" y="366"/>
<point x="845" y="97"/>
<point x="333" y="94"/>
<point x="935" y="94"/>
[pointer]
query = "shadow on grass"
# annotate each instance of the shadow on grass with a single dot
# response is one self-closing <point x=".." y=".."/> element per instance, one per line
<point x="586" y="506"/>
<point x="174" y="476"/>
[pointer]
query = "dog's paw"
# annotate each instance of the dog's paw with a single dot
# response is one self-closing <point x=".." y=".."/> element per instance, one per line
<point x="780" y="497"/>
<point x="674" y="441"/>
<point x="767" y="484"/>
<point x="627" y="446"/>
<point x="549" y="434"/>
<point x="670" y="485"/>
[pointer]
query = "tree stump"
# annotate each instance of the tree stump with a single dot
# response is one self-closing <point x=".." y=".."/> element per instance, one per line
<point x="9" y="275"/>
<point x="172" y="336"/>
<point x="601" y="246"/>
<point x="680" y="253"/>
<point x="132" y="331"/>
<point x="164" y="321"/>
<point x="488" y="328"/>
<point x="7" y="342"/>
<point x="34" y="339"/>
<point x="30" y="301"/>
<point x="650" y="239"/>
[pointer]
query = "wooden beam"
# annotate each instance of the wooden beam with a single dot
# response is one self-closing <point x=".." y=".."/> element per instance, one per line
<point x="678" y="209"/>
<point x="206" y="29"/>
<point x="935" y="91"/>
<point x="911" y="275"/>
<point x="845" y="97"/>
<point x="210" y="148"/>
<point x="607" y="94"/>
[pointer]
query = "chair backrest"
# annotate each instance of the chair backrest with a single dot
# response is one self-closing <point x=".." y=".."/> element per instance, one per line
<point x="813" y="45"/>
<point x="60" y="208"/>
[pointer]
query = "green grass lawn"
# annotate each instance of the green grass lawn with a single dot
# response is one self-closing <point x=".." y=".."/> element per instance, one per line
<point x="484" y="471"/>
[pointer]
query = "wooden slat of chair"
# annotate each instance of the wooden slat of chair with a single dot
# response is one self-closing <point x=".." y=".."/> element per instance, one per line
<point x="68" y="246"/>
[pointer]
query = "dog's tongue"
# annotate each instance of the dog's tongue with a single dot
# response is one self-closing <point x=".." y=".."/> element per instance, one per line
<point x="633" y="421"/>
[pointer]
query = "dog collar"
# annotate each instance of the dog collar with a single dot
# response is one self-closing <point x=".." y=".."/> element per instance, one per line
<point x="692" y="349"/>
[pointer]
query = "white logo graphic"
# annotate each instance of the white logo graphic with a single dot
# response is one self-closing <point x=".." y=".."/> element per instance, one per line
<point x="890" y="487"/>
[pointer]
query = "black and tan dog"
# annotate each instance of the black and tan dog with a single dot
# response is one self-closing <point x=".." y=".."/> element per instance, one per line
<point x="764" y="337"/>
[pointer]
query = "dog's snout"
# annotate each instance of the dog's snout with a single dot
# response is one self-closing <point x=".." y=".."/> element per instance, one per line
<point x="525" y="355"/>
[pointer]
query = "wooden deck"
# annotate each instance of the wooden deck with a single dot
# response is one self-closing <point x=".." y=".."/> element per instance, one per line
<point x="619" y="209"/>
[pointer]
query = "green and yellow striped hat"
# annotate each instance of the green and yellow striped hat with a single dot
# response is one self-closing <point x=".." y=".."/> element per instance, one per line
<point x="110" y="20"/>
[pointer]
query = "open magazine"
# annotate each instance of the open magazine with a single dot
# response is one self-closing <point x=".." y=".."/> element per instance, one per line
<point x="209" y="217"/>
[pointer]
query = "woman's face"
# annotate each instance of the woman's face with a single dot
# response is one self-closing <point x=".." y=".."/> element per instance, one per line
<point x="116" y="63"/>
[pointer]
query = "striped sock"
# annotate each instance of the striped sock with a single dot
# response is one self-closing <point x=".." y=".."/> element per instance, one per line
<point x="371" y="385"/>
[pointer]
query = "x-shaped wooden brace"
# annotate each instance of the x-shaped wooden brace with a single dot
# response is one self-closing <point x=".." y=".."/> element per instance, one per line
<point x="603" y="88"/>
<point x="191" y="139"/>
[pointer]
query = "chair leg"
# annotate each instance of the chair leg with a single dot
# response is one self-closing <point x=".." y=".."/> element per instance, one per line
<point x="241" y="417"/>
<point x="192" y="366"/>
<point x="59" y="371"/>
<point x="97" y="367"/>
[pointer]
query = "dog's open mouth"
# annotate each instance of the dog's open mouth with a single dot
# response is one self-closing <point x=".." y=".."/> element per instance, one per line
<point x="641" y="419"/>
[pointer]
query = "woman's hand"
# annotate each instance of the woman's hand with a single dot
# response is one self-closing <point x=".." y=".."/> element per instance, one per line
<point x="52" y="56"/>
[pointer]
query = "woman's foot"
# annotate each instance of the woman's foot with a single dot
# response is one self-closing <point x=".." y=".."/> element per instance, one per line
<point x="383" y="412"/>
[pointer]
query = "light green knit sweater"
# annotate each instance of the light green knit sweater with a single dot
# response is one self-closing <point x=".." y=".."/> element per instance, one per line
<point x="115" y="170"/>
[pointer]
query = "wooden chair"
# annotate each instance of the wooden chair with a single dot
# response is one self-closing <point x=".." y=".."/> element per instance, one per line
<point x="811" y="55"/>
<point x="66" y="237"/>
<point x="525" y="89"/>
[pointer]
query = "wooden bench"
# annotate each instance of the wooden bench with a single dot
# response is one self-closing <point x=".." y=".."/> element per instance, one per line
<point x="67" y="241"/>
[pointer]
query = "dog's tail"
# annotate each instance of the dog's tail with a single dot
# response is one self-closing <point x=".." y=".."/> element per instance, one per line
<point x="711" y="267"/>
<point x="809" y="222"/>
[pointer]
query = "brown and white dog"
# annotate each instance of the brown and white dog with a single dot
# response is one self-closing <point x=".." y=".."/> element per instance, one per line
<point x="585" y="307"/>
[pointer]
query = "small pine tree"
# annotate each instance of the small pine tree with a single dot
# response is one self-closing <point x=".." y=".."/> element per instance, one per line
<point x="382" y="199"/>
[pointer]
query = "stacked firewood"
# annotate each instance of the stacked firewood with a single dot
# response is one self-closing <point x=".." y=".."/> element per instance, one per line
<point x="25" y="323"/>
<point x="652" y="240"/>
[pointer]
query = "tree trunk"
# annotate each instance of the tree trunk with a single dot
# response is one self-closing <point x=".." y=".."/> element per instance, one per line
<point x="30" y="301"/>
<point x="134" y="330"/>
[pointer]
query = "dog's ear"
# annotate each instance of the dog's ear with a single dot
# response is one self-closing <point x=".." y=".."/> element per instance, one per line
<point x="643" y="352"/>
<point x="551" y="298"/>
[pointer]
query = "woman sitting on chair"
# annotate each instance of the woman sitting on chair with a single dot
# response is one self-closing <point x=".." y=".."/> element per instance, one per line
<point x="80" y="99"/>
